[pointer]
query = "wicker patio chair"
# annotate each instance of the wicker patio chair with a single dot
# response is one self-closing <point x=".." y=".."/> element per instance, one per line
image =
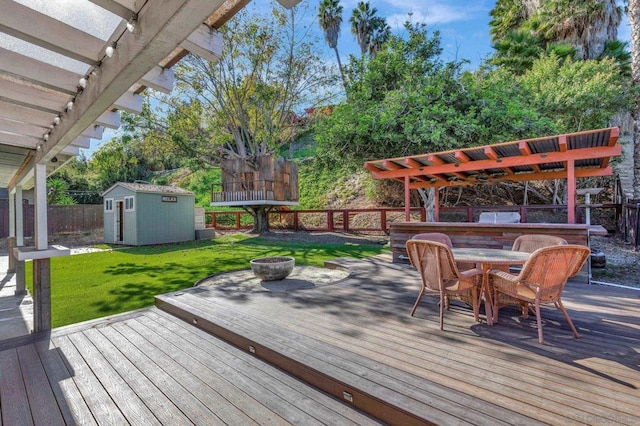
<point x="434" y="236"/>
<point x="531" y="242"/>
<point x="542" y="280"/>
<point x="440" y="275"/>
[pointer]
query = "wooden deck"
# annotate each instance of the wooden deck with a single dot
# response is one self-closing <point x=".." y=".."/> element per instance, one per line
<point x="151" y="368"/>
<point x="356" y="340"/>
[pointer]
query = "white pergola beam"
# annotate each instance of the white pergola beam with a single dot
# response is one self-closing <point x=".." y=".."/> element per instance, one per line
<point x="71" y="150"/>
<point x="42" y="30"/>
<point x="129" y="102"/>
<point x="160" y="79"/>
<point x="93" y="132"/>
<point x="32" y="96"/>
<point x="81" y="142"/>
<point x="25" y="115"/>
<point x="126" y="9"/>
<point x="162" y="24"/>
<point x="19" y="140"/>
<point x="25" y="129"/>
<point x="109" y="119"/>
<point x="38" y="72"/>
<point x="204" y="42"/>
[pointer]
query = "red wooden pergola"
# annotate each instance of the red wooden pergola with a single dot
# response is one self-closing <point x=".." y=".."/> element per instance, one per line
<point x="568" y="156"/>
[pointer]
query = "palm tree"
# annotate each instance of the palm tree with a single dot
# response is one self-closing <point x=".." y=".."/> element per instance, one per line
<point x="361" y="25"/>
<point x="380" y="33"/>
<point x="330" y="19"/>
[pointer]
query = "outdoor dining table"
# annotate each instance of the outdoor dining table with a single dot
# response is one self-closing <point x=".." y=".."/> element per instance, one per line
<point x="486" y="259"/>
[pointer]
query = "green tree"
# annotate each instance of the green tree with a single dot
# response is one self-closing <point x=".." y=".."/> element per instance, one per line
<point x="330" y="20"/>
<point x="58" y="192"/>
<point x="243" y="106"/>
<point x="576" y="95"/>
<point x="370" y="31"/>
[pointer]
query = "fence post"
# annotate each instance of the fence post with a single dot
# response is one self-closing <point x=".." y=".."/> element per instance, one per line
<point x="383" y="220"/>
<point x="237" y="220"/>
<point x="295" y="220"/>
<point x="523" y="214"/>
<point x="345" y="220"/>
<point x="330" y="224"/>
<point x="423" y="213"/>
<point x="469" y="214"/>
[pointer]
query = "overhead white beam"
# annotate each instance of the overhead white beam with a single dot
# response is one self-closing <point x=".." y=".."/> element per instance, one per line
<point x="129" y="102"/>
<point x="109" y="119"/>
<point x="31" y="96"/>
<point x="42" y="30"/>
<point x="288" y="4"/>
<point x="19" y="140"/>
<point x="81" y="142"/>
<point x="93" y="132"/>
<point x="162" y="24"/>
<point x="39" y="72"/>
<point x="204" y="42"/>
<point x="25" y="115"/>
<point x="160" y="79"/>
<point x="71" y="150"/>
<point x="25" y="129"/>
<point x="126" y="9"/>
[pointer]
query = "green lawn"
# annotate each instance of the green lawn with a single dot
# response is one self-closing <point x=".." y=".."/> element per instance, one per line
<point x="93" y="285"/>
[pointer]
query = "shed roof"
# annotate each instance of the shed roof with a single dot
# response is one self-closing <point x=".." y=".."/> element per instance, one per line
<point x="531" y="159"/>
<point x="144" y="187"/>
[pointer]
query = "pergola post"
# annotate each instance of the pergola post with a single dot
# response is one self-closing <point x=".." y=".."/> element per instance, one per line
<point x="18" y="228"/>
<point x="41" y="267"/>
<point x="407" y="199"/>
<point x="11" y="241"/>
<point x="571" y="191"/>
<point x="436" y="204"/>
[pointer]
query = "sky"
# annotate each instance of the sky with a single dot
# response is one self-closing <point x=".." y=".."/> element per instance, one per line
<point x="463" y="26"/>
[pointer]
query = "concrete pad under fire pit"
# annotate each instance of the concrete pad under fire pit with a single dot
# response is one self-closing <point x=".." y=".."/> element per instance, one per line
<point x="302" y="277"/>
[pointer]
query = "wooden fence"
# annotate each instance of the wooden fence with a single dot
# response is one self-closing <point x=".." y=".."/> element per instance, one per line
<point x="377" y="220"/>
<point x="631" y="223"/>
<point x="61" y="219"/>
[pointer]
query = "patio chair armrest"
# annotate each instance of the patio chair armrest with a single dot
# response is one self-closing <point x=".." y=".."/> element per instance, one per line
<point x="470" y="273"/>
<point x="503" y="275"/>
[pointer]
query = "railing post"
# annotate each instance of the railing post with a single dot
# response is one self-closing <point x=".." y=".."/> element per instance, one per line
<point x="523" y="214"/>
<point x="469" y="214"/>
<point x="423" y="214"/>
<point x="214" y="216"/>
<point x="383" y="220"/>
<point x="345" y="220"/>
<point x="330" y="224"/>
<point x="295" y="220"/>
<point x="237" y="220"/>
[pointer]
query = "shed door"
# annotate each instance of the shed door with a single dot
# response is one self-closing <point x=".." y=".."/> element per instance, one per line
<point x="119" y="222"/>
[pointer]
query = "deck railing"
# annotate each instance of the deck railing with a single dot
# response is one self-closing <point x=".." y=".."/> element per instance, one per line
<point x="376" y="220"/>
<point x="258" y="190"/>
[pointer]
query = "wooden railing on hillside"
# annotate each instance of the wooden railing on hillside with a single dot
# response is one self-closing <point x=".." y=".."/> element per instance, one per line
<point x="377" y="220"/>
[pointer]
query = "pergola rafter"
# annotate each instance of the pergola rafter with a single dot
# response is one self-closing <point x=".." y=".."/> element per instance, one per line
<point x="567" y="156"/>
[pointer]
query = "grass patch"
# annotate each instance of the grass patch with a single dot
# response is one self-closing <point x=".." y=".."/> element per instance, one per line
<point x="94" y="285"/>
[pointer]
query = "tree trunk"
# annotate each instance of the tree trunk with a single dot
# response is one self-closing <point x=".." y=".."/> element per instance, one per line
<point x="634" y="22"/>
<point x="429" y="200"/>
<point x="344" y="79"/>
<point x="260" y="219"/>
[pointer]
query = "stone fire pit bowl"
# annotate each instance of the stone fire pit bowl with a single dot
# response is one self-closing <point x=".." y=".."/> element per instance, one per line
<point x="272" y="268"/>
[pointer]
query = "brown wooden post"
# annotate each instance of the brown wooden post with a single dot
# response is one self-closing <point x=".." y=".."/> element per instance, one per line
<point x="571" y="191"/>
<point x="295" y="220"/>
<point x="523" y="214"/>
<point x="345" y="220"/>
<point x="237" y="220"/>
<point x="330" y="225"/>
<point x="469" y="214"/>
<point x="42" y="294"/>
<point x="383" y="219"/>
<point x="407" y="199"/>
<point x="436" y="211"/>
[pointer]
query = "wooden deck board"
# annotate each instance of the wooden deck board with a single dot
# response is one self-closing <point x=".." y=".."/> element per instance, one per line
<point x="149" y="368"/>
<point x="361" y="327"/>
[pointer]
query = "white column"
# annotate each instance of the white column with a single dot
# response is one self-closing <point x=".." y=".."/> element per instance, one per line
<point x="41" y="236"/>
<point x="12" y="213"/>
<point x="19" y="218"/>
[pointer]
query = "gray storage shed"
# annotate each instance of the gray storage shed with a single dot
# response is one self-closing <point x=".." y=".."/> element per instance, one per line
<point x="140" y="214"/>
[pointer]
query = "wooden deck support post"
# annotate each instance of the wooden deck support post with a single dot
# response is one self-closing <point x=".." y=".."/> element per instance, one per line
<point x="571" y="191"/>
<point x="436" y="204"/>
<point x="41" y="267"/>
<point x="407" y="199"/>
